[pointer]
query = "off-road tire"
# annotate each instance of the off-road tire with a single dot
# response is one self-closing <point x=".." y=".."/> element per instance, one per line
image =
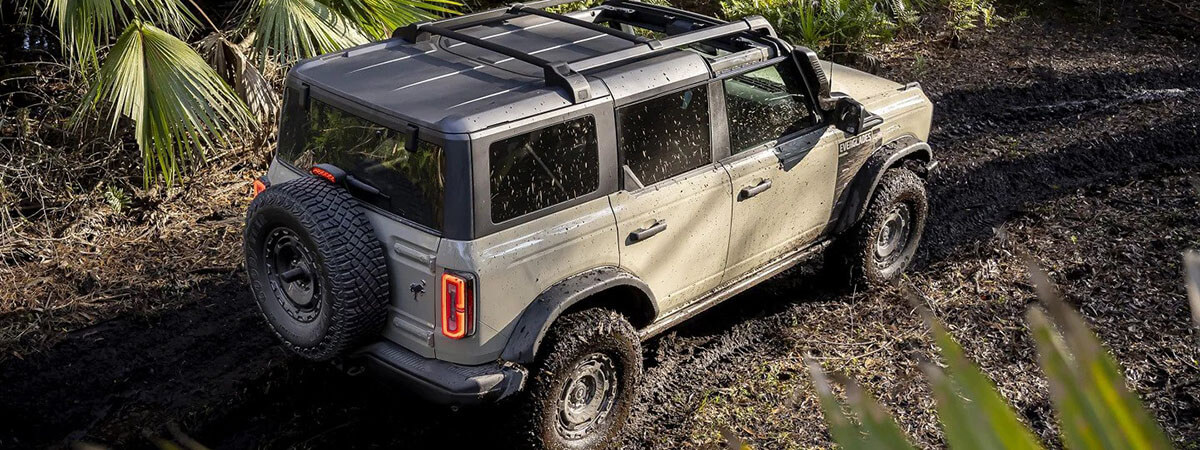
<point x="350" y="282"/>
<point x="855" y="253"/>
<point x="569" y="342"/>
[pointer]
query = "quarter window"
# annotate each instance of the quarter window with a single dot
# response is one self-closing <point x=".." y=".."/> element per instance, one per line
<point x="765" y="105"/>
<point x="543" y="168"/>
<point x="666" y="136"/>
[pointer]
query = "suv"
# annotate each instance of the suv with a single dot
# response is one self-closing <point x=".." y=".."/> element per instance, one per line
<point x="507" y="203"/>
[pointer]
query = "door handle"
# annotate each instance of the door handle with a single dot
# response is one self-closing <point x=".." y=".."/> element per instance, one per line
<point x="751" y="191"/>
<point x="642" y="234"/>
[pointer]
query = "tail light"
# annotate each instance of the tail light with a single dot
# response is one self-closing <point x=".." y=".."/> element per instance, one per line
<point x="458" y="305"/>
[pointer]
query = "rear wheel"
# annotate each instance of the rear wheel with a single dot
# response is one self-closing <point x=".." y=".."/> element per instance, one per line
<point x="878" y="249"/>
<point x="316" y="268"/>
<point x="583" y="387"/>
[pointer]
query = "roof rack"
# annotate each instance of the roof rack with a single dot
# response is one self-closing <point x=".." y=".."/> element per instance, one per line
<point x="567" y="74"/>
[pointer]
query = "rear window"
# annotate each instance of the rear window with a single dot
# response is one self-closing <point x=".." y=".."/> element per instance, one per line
<point x="412" y="183"/>
<point x="543" y="168"/>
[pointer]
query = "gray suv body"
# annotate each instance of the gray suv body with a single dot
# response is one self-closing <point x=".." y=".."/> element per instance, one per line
<point x="442" y="200"/>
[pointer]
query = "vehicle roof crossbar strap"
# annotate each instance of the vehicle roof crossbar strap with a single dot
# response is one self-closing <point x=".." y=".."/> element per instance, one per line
<point x="519" y="8"/>
<point x="555" y="73"/>
<point x="753" y="23"/>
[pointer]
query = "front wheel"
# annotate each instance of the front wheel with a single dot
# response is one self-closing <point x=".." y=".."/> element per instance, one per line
<point x="884" y="243"/>
<point x="583" y="387"/>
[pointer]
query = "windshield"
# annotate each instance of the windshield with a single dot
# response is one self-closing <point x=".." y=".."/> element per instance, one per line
<point x="411" y="182"/>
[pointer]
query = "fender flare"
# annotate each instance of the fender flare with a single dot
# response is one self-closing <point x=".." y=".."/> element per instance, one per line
<point x="531" y="327"/>
<point x="853" y="201"/>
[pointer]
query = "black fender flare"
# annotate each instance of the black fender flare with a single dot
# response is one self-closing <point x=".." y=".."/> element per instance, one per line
<point x="854" y="199"/>
<point x="531" y="327"/>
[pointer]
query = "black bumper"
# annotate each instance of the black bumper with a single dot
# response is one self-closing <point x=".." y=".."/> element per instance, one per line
<point x="440" y="381"/>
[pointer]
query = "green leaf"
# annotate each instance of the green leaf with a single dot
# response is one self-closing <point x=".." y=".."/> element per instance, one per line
<point x="84" y="25"/>
<point x="378" y="18"/>
<point x="290" y="30"/>
<point x="179" y="105"/>
<point x="992" y="422"/>
<point x="879" y="428"/>
<point x="844" y="432"/>
<point x="1095" y="408"/>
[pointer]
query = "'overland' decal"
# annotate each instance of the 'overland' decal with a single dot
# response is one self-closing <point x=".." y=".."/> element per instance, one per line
<point x="858" y="140"/>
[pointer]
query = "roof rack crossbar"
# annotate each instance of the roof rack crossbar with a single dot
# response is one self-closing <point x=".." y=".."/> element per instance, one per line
<point x="749" y="24"/>
<point x="659" y="9"/>
<point x="555" y="73"/>
<point x="523" y="9"/>
<point x="469" y="20"/>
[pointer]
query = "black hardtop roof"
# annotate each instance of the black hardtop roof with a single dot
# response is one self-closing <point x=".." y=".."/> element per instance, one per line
<point x="453" y="86"/>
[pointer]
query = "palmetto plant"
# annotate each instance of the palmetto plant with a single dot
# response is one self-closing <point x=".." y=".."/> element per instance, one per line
<point x="182" y="103"/>
<point x="822" y="24"/>
<point x="1094" y="408"/>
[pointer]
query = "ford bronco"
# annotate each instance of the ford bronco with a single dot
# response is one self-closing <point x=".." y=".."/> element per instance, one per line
<point x="506" y="204"/>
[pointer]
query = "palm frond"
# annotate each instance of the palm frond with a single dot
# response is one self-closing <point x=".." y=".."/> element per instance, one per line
<point x="179" y="105"/>
<point x="377" y="18"/>
<point x="84" y="25"/>
<point x="289" y="30"/>
<point x="231" y="63"/>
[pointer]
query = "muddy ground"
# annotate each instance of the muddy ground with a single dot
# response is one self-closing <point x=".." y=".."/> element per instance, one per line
<point x="1072" y="136"/>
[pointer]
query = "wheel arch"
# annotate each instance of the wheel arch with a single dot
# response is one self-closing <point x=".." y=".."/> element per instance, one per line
<point x="608" y="286"/>
<point x="903" y="151"/>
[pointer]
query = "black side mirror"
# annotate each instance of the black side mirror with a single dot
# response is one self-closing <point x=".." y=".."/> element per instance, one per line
<point x="849" y="115"/>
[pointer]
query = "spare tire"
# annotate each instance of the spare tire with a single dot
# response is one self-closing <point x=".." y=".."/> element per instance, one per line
<point x="316" y="268"/>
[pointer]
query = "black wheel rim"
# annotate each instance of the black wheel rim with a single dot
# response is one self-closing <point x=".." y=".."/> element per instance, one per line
<point x="292" y="274"/>
<point x="587" y="397"/>
<point x="895" y="236"/>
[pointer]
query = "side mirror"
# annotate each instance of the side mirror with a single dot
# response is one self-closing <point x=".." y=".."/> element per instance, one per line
<point x="850" y="116"/>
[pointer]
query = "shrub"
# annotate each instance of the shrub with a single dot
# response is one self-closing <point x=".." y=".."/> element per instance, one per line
<point x="833" y="26"/>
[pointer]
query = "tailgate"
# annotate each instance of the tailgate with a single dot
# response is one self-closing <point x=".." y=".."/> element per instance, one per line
<point x="411" y="261"/>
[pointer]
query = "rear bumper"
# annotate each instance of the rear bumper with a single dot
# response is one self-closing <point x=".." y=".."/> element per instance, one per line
<point x="440" y="381"/>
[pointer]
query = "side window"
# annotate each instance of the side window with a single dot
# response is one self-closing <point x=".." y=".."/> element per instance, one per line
<point x="764" y="105"/>
<point x="666" y="136"/>
<point x="543" y="168"/>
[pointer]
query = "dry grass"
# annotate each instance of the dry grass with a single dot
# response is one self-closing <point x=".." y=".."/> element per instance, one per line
<point x="79" y="241"/>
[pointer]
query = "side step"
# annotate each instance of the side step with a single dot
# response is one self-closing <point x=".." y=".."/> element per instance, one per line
<point x="737" y="287"/>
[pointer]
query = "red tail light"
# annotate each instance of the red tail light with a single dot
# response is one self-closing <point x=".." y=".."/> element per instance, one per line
<point x="458" y="306"/>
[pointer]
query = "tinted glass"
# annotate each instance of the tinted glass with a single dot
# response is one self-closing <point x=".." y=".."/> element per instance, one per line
<point x="543" y="168"/>
<point x="666" y="136"/>
<point x="412" y="182"/>
<point x="764" y="105"/>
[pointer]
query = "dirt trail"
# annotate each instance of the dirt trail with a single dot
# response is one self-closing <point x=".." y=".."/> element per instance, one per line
<point x="1021" y="123"/>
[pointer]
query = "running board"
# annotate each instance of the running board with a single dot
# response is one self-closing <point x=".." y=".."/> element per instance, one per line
<point x="772" y="269"/>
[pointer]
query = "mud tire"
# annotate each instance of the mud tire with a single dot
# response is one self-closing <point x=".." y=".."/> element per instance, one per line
<point x="855" y="253"/>
<point x="572" y="339"/>
<point x="344" y="262"/>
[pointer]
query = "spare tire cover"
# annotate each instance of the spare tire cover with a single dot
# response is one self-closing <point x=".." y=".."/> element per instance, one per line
<point x="316" y="268"/>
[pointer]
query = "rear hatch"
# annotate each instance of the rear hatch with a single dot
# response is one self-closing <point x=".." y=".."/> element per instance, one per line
<point x="401" y="185"/>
